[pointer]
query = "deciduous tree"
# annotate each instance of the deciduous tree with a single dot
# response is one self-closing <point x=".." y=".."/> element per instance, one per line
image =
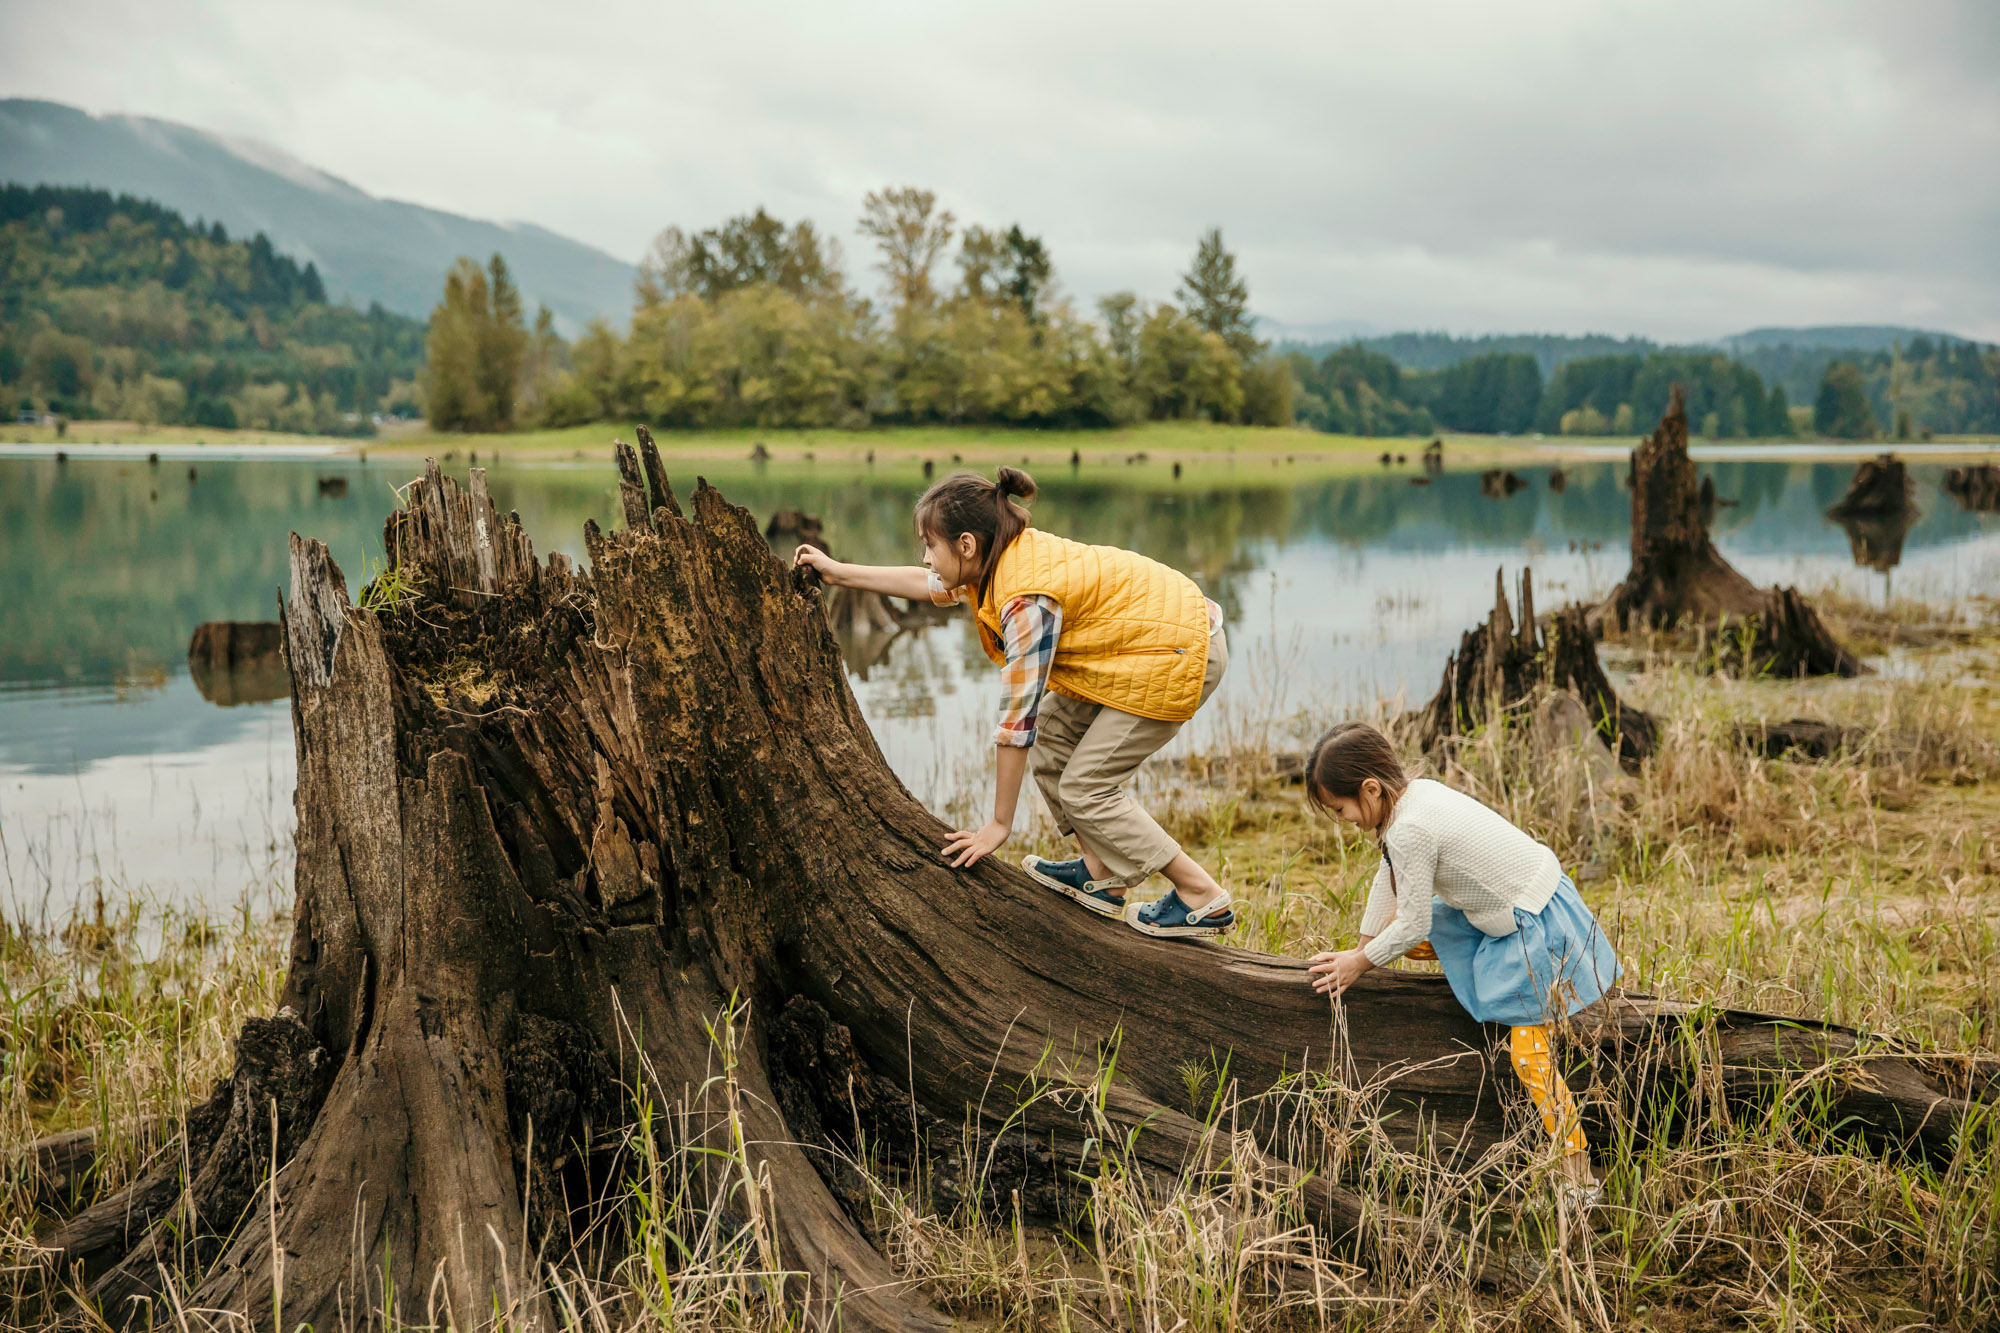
<point x="911" y="231"/>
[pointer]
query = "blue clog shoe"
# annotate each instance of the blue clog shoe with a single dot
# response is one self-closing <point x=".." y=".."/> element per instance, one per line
<point x="1072" y="880"/>
<point x="1170" y="918"/>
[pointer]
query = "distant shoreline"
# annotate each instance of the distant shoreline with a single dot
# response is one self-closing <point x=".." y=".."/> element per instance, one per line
<point x="1191" y="443"/>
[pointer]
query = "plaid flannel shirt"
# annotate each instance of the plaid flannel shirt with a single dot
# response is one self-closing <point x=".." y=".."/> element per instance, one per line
<point x="1029" y="628"/>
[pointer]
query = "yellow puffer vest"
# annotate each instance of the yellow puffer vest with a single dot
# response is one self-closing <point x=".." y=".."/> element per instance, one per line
<point x="1134" y="632"/>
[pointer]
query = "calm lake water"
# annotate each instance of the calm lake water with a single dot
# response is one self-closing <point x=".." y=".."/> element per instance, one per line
<point x="117" y="775"/>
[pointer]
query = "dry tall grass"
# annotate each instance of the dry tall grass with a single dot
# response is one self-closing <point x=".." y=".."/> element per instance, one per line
<point x="1862" y="890"/>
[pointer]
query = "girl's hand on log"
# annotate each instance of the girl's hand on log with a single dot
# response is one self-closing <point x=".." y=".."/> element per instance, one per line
<point x="1333" y="973"/>
<point x="964" y="849"/>
<point x="817" y="559"/>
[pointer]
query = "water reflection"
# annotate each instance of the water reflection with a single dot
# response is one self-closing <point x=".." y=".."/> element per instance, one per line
<point x="1338" y="587"/>
<point x="1877" y="543"/>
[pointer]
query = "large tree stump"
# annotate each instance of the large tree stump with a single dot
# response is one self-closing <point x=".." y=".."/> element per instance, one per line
<point x="1502" y="668"/>
<point x="1678" y="579"/>
<point x="569" y="840"/>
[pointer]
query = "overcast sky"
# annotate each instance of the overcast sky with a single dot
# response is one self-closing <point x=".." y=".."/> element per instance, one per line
<point x="1678" y="170"/>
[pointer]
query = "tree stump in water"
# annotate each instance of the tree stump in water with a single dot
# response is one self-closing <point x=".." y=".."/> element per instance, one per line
<point x="1880" y="489"/>
<point x="1678" y="577"/>
<point x="569" y="842"/>
<point x="865" y="623"/>
<point x="1877" y="512"/>
<point x="791" y="526"/>
<point x="1976" y="488"/>
<point x="238" y="661"/>
<point x="1500" y="667"/>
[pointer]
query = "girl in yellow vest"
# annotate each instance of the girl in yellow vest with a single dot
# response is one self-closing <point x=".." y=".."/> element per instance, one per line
<point x="1104" y="654"/>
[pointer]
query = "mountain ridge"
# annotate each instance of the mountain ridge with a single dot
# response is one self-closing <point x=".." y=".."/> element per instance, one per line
<point x="367" y="249"/>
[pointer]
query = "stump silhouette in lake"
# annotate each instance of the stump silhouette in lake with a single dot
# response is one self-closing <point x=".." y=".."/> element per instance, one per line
<point x="1881" y="489"/>
<point x="1678" y="580"/>
<point x="1976" y="487"/>
<point x="570" y="840"/>
<point x="238" y="661"/>
<point x="865" y="623"/>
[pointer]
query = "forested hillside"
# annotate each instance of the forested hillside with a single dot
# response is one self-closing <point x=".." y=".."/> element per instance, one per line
<point x="368" y="250"/>
<point x="1365" y="392"/>
<point x="119" y="307"/>
<point x="1927" y="388"/>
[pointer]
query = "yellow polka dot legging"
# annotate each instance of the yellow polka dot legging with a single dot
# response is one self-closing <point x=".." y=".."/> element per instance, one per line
<point x="1537" y="1070"/>
<point x="1546" y="1087"/>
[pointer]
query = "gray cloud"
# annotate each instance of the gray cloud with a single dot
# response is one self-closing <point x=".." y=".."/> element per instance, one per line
<point x="1678" y="170"/>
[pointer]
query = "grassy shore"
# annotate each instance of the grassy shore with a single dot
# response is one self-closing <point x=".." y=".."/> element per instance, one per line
<point x="1191" y="443"/>
<point x="1863" y="890"/>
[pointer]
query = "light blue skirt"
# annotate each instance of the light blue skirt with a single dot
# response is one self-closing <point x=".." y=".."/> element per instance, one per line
<point x="1556" y="962"/>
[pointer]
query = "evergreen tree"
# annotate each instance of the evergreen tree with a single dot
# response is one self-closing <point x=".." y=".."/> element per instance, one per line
<point x="1029" y="272"/>
<point x="1216" y="297"/>
<point x="1841" y="411"/>
<point x="1488" y="394"/>
<point x="119" y="307"/>
<point x="503" y="338"/>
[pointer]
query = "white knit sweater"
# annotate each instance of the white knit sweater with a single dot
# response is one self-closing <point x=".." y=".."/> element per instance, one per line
<point x="1443" y="842"/>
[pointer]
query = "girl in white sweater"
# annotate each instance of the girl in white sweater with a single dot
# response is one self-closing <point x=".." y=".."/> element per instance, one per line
<point x="1461" y="884"/>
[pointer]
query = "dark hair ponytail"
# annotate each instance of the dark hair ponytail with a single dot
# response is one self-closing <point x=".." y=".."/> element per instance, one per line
<point x="1348" y="755"/>
<point x="967" y="502"/>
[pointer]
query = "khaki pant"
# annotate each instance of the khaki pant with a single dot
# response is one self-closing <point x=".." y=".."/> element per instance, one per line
<point x="1084" y="756"/>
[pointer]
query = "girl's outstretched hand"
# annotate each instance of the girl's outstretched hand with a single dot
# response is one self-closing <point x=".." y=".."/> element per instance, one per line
<point x="1333" y="973"/>
<point x="964" y="849"/>
<point x="815" y="558"/>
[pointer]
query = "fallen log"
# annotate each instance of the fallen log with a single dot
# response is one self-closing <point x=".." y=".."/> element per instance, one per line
<point x="1801" y="737"/>
<point x="1679" y="580"/>
<point x="573" y="841"/>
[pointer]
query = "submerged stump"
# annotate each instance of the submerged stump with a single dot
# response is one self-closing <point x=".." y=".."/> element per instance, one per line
<point x="238" y="661"/>
<point x="1881" y="489"/>
<point x="571" y="843"/>
<point x="1976" y="487"/>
